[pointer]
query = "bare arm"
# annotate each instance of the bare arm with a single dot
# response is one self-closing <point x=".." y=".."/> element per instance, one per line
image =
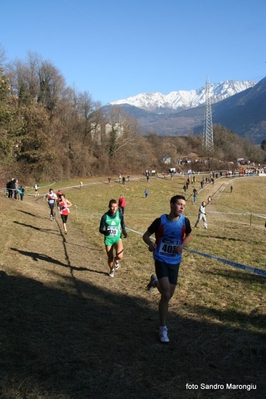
<point x="148" y="241"/>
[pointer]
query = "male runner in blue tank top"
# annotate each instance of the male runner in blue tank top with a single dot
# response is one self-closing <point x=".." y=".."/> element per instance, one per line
<point x="172" y="234"/>
<point x="112" y="226"/>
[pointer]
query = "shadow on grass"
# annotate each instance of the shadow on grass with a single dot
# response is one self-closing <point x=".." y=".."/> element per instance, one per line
<point x="254" y="319"/>
<point x="40" y="257"/>
<point x="27" y="213"/>
<point x="89" y="342"/>
<point x="70" y="339"/>
<point x="219" y="237"/>
<point x="36" y="228"/>
<point x="241" y="275"/>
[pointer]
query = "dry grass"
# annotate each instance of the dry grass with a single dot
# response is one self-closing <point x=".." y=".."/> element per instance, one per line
<point x="70" y="332"/>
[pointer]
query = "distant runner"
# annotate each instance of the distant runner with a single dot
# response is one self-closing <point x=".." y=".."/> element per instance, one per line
<point x="51" y="198"/>
<point x="63" y="207"/>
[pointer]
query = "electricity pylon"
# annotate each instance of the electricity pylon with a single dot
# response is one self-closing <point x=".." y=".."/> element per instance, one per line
<point x="207" y="140"/>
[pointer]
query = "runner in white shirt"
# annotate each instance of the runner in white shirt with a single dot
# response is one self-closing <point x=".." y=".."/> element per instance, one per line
<point x="51" y="198"/>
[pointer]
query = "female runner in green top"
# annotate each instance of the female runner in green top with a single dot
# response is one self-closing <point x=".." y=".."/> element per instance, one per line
<point x="112" y="225"/>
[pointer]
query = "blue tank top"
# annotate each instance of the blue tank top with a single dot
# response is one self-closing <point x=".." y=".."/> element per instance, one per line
<point x="168" y="236"/>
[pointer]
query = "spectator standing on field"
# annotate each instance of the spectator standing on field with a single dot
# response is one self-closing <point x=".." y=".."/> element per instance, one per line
<point x="21" y="192"/>
<point x="121" y="204"/>
<point x="195" y="193"/>
<point x="16" y="189"/>
<point x="172" y="233"/>
<point x="12" y="187"/>
<point x="202" y="215"/>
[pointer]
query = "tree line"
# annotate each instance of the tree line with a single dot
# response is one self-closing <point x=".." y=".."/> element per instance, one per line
<point x="49" y="130"/>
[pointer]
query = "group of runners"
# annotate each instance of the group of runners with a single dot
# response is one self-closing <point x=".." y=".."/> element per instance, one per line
<point x="172" y="233"/>
<point x="62" y="203"/>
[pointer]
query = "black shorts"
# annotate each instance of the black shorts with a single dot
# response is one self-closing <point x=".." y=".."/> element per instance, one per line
<point x="167" y="270"/>
<point x="64" y="218"/>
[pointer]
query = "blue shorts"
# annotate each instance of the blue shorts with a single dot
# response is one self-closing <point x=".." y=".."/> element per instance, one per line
<point x="167" y="270"/>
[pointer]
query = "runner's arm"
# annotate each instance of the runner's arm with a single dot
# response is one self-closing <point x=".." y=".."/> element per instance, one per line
<point x="151" y="230"/>
<point x="102" y="228"/>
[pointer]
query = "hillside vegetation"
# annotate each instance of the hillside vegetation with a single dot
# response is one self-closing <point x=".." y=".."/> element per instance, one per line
<point x="49" y="131"/>
<point x="68" y="331"/>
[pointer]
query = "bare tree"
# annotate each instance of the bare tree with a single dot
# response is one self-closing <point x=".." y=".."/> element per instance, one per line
<point x="51" y="87"/>
<point x="2" y="55"/>
<point x="24" y="78"/>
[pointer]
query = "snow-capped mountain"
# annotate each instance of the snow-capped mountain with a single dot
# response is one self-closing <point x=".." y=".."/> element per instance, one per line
<point x="181" y="99"/>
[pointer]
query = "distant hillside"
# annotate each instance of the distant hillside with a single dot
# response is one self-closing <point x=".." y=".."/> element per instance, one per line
<point x="244" y="113"/>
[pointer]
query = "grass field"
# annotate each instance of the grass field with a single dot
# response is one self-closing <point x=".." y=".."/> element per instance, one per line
<point x="68" y="331"/>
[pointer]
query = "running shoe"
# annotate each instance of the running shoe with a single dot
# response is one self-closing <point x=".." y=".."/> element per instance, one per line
<point x="117" y="265"/>
<point x="163" y="335"/>
<point x="153" y="280"/>
<point x="112" y="273"/>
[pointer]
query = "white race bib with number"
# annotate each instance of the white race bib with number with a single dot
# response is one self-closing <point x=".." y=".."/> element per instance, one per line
<point x="113" y="231"/>
<point x="167" y="248"/>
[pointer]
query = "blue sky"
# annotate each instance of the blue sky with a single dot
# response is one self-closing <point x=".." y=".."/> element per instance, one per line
<point x="115" y="49"/>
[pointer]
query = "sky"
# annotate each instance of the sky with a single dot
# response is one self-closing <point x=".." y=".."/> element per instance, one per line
<point x="115" y="49"/>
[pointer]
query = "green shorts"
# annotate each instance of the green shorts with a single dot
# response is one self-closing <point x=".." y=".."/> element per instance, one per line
<point x="110" y="241"/>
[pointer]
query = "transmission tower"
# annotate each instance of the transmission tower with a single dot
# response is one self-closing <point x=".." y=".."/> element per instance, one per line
<point x="207" y="140"/>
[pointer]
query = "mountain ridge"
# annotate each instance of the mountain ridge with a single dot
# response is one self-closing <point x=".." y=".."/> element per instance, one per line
<point x="185" y="99"/>
<point x="244" y="113"/>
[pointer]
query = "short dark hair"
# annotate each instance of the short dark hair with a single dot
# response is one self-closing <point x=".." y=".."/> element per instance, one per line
<point x="112" y="201"/>
<point x="175" y="198"/>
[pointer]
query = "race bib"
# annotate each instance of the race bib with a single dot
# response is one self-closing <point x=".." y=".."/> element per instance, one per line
<point x="167" y="248"/>
<point x="113" y="231"/>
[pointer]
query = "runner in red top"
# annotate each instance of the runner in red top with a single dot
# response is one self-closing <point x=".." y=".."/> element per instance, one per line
<point x="63" y="207"/>
<point x="122" y="204"/>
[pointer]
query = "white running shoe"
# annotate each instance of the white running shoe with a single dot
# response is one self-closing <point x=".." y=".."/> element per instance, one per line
<point x="117" y="265"/>
<point x="112" y="273"/>
<point x="163" y="335"/>
<point x="152" y="281"/>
